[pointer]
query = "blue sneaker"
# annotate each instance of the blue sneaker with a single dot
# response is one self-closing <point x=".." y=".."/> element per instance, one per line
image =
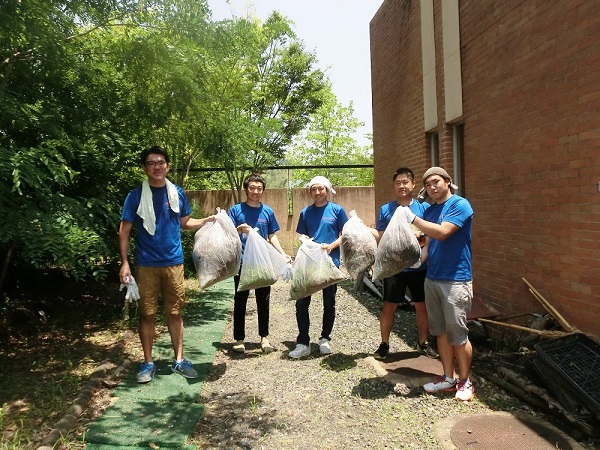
<point x="184" y="367"/>
<point x="146" y="373"/>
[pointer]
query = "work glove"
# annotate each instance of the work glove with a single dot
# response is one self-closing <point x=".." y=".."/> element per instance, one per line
<point x="288" y="272"/>
<point x="408" y="214"/>
<point x="133" y="293"/>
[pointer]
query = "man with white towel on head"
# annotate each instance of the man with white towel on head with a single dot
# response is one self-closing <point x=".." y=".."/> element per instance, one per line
<point x="323" y="221"/>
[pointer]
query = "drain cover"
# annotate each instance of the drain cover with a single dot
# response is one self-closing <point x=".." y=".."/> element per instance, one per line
<point x="504" y="431"/>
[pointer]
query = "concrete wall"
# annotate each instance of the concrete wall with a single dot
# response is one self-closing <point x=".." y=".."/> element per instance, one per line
<point x="531" y="168"/>
<point x="361" y="199"/>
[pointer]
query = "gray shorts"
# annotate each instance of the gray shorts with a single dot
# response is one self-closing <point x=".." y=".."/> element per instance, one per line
<point x="448" y="303"/>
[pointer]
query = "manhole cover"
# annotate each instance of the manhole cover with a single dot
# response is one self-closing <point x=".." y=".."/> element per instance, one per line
<point x="504" y="431"/>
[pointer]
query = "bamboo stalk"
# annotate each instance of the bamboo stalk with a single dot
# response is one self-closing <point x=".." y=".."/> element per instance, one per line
<point x="559" y="318"/>
<point x="543" y="333"/>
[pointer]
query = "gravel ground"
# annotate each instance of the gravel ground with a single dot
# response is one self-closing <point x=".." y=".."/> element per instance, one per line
<point x="256" y="401"/>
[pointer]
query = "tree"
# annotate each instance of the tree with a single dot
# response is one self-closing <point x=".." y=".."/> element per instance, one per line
<point x="51" y="142"/>
<point x="328" y="140"/>
<point x="267" y="89"/>
<point x="85" y="85"/>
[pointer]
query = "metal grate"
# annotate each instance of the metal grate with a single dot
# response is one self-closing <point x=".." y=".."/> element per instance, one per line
<point x="576" y="360"/>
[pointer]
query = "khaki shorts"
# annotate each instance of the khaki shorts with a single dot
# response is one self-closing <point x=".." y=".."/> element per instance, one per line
<point x="168" y="281"/>
<point x="448" y="303"/>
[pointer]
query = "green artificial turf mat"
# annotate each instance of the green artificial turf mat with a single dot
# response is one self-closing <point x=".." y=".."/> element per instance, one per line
<point x="166" y="410"/>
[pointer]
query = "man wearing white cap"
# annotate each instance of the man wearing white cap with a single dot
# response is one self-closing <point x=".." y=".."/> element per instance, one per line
<point x="448" y="286"/>
<point x="323" y="221"/>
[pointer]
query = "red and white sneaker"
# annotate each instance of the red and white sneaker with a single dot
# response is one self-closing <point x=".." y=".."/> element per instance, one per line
<point x="464" y="390"/>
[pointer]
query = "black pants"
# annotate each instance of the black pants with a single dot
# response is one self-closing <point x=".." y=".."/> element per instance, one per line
<point x="303" y="318"/>
<point x="240" y="300"/>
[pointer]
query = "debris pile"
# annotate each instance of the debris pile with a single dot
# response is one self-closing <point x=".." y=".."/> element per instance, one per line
<point x="550" y="365"/>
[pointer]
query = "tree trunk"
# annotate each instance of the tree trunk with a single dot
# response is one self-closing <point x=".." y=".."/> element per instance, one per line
<point x="6" y="263"/>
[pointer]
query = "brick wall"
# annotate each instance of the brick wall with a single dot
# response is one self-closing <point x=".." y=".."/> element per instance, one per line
<point x="397" y="94"/>
<point x="531" y="96"/>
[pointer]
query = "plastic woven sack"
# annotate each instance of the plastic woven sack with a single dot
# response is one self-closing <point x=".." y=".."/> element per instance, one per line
<point x="217" y="250"/>
<point x="358" y="246"/>
<point x="262" y="265"/>
<point x="398" y="248"/>
<point x="313" y="270"/>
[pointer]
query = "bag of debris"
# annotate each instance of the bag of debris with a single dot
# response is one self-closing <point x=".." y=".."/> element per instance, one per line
<point x="217" y="250"/>
<point x="398" y="248"/>
<point x="358" y="246"/>
<point x="314" y="270"/>
<point x="262" y="264"/>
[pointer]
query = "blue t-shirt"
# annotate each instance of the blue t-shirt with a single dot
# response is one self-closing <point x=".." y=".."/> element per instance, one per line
<point x="261" y="217"/>
<point x="324" y="224"/>
<point x="450" y="260"/>
<point x="164" y="248"/>
<point x="387" y="211"/>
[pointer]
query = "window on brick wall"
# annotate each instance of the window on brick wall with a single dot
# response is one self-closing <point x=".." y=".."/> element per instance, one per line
<point x="457" y="154"/>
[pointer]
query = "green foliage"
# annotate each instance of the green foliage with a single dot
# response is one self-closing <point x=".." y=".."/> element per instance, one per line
<point x="85" y="85"/>
<point x="328" y="140"/>
<point x="268" y="87"/>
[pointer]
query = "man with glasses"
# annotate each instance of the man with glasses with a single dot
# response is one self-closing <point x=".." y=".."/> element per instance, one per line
<point x="246" y="216"/>
<point x="159" y="210"/>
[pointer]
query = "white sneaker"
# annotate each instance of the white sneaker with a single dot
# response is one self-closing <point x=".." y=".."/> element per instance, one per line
<point x="464" y="391"/>
<point x="239" y="347"/>
<point x="441" y="384"/>
<point x="266" y="346"/>
<point x="324" y="347"/>
<point x="300" y="351"/>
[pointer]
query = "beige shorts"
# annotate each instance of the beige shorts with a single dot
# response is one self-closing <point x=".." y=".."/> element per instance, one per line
<point x="168" y="281"/>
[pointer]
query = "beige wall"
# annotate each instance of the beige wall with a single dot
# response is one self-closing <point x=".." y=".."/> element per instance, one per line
<point x="360" y="199"/>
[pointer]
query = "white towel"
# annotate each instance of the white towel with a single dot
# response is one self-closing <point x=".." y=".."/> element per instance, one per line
<point x="146" y="208"/>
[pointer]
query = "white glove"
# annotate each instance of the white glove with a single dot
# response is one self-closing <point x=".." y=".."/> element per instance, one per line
<point x="410" y="216"/>
<point x="288" y="272"/>
<point x="133" y="293"/>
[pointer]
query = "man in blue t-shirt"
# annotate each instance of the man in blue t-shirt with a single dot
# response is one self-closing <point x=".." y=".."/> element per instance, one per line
<point x="448" y="286"/>
<point x="323" y="222"/>
<point x="246" y="216"/>
<point x="394" y="287"/>
<point x="159" y="210"/>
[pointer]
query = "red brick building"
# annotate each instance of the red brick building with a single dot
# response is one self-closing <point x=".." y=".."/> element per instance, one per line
<point x="505" y="95"/>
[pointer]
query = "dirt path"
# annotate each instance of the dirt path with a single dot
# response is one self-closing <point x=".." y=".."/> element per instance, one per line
<point x="339" y="401"/>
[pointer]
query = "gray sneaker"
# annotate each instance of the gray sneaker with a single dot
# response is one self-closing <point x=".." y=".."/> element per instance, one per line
<point x="300" y="351"/>
<point x="184" y="367"/>
<point x="146" y="373"/>
<point x="441" y="384"/>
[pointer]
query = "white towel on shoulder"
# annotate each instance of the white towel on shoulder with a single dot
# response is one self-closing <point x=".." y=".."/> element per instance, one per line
<point x="146" y="208"/>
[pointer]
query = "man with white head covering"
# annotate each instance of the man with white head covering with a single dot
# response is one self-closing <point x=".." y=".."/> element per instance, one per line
<point x="448" y="286"/>
<point x="323" y="222"/>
